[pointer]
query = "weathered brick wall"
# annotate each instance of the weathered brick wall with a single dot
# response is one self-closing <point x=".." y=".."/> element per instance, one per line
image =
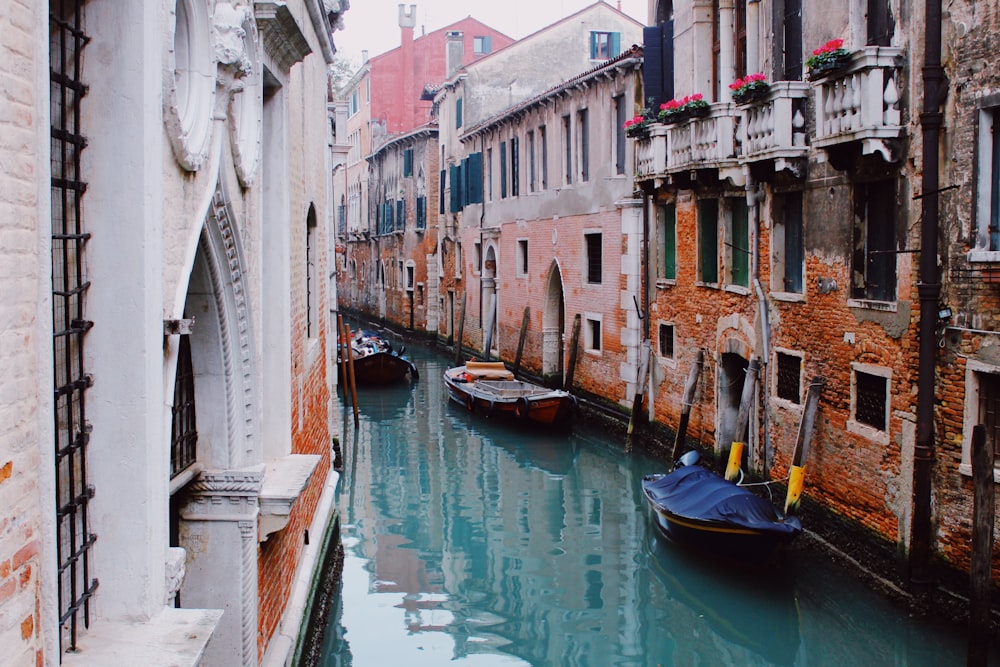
<point x="23" y="339"/>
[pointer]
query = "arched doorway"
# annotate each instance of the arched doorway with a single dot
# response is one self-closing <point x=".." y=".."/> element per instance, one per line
<point x="731" y="376"/>
<point x="553" y="327"/>
<point x="490" y="345"/>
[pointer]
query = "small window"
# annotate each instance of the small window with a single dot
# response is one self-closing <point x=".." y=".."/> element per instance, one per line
<point x="592" y="333"/>
<point x="407" y="162"/>
<point x="873" y="265"/>
<point x="738" y="242"/>
<point x="604" y="45"/>
<point x="789" y="377"/>
<point x="567" y="137"/>
<point x="619" y="133"/>
<point x="458" y="112"/>
<point x="594" y="257"/>
<point x="531" y="161"/>
<point x="515" y="170"/>
<point x="871" y="399"/>
<point x="988" y="181"/>
<point x="789" y="260"/>
<point x="482" y="45"/>
<point x="477" y="257"/>
<point x="583" y="144"/>
<point x="666" y="241"/>
<point x="522" y="257"/>
<point x="421" y="213"/>
<point x="503" y="170"/>
<point x="666" y="340"/>
<point x="544" y="158"/>
<point x="410" y="273"/>
<point x="708" y="240"/>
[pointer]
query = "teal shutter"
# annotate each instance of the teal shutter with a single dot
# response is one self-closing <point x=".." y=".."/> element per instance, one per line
<point x="740" y="246"/>
<point x="475" y="178"/>
<point x="593" y="45"/>
<point x="708" y="240"/>
<point x="455" y="175"/>
<point x="616" y="44"/>
<point x="441" y="184"/>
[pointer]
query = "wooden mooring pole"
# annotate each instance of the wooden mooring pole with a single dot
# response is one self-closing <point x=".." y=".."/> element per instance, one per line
<point x="980" y="572"/>
<point x="571" y="368"/>
<point x="350" y="372"/>
<point x="461" y="331"/>
<point x="742" y="420"/>
<point x="520" y="341"/>
<point x="797" y="474"/>
<point x="689" y="389"/>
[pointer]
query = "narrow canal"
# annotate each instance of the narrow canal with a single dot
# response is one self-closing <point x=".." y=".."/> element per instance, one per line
<point x="471" y="542"/>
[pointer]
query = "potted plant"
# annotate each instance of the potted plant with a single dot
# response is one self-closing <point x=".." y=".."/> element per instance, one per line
<point x="637" y="126"/>
<point x="689" y="106"/>
<point x="830" y="57"/>
<point x="751" y="88"/>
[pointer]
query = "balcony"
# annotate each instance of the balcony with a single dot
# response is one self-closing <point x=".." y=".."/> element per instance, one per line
<point x="696" y="144"/>
<point x="774" y="128"/>
<point x="860" y="103"/>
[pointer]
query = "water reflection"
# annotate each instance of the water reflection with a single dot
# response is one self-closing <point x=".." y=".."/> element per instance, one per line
<point x="471" y="541"/>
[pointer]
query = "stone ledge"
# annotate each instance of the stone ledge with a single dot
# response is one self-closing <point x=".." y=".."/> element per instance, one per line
<point x="172" y="638"/>
<point x="284" y="480"/>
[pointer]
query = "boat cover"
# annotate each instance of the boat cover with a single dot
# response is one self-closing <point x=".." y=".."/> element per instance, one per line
<point x="698" y="493"/>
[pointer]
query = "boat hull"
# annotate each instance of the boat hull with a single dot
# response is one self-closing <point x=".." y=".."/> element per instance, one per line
<point x="382" y="368"/>
<point x="748" y="538"/>
<point x="512" y="399"/>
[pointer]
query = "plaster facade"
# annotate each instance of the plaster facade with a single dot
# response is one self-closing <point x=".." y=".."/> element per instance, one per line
<point x="192" y="148"/>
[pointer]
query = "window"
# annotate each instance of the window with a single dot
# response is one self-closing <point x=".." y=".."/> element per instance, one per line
<point x="788" y="380"/>
<point x="408" y="162"/>
<point x="592" y="332"/>
<point x="880" y="23"/>
<point x="982" y="406"/>
<point x="399" y="274"/>
<point x="522" y="257"/>
<point x="666" y="241"/>
<point x="789" y="263"/>
<point x="458" y="261"/>
<point x="604" y="45"/>
<point x="666" y="340"/>
<point x="515" y="171"/>
<point x="472" y="179"/>
<point x="503" y="170"/>
<point x="708" y="240"/>
<point x="458" y="112"/>
<point x="477" y="257"/>
<point x="870" y="396"/>
<point x="400" y="215"/>
<point x="489" y="173"/>
<point x="788" y="42"/>
<point x="873" y="267"/>
<point x="544" y="147"/>
<point x="421" y="213"/>
<point x="410" y="273"/>
<point x="353" y="103"/>
<point x="618" y="132"/>
<point x="737" y="249"/>
<point x="594" y="251"/>
<point x="531" y="161"/>
<point x="568" y="150"/>
<point x="988" y="181"/>
<point x="312" y="276"/>
<point x="456" y="178"/>
<point x="583" y="144"/>
<point x="443" y="179"/>
<point x="482" y="45"/>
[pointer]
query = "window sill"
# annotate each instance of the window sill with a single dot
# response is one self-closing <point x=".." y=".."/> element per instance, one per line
<point x="664" y="283"/>
<point x="789" y="297"/>
<point x="983" y="256"/>
<point x="737" y="289"/>
<point x="666" y="362"/>
<point x="883" y="306"/>
<point x="174" y="637"/>
<point x="867" y="432"/>
<point x="966" y="469"/>
<point x="701" y="283"/>
<point x="786" y="404"/>
<point x="284" y="480"/>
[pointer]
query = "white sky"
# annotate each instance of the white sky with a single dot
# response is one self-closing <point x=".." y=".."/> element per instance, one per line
<point x="374" y="24"/>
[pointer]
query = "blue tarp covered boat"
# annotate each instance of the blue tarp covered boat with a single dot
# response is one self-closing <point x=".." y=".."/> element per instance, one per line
<point x="696" y="507"/>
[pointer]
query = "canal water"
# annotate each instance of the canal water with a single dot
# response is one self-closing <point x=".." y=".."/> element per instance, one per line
<point x="469" y="541"/>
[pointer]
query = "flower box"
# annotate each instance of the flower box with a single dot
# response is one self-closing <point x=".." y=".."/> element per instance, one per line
<point x="827" y="59"/>
<point x="750" y="89"/>
<point x="685" y="108"/>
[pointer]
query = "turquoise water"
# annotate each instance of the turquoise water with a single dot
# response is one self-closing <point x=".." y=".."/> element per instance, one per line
<point x="472" y="542"/>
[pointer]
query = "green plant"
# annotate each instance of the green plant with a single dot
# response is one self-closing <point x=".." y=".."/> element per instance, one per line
<point x="830" y="52"/>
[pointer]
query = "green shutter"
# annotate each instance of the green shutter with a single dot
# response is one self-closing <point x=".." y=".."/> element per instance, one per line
<point x="669" y="241"/>
<point x="503" y="169"/>
<point x="455" y="176"/>
<point x="740" y="242"/>
<point x="708" y="240"/>
<point x="441" y="188"/>
<point x="593" y="45"/>
<point x="475" y="177"/>
<point x="458" y="112"/>
<point x="616" y="44"/>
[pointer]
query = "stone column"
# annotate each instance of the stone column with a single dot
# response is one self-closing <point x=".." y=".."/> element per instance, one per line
<point x="219" y="531"/>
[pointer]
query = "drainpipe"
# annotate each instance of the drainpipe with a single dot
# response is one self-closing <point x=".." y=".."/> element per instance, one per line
<point x="754" y="197"/>
<point x="929" y="289"/>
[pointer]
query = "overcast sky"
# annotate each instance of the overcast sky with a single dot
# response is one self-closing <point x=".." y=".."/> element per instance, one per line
<point x="374" y="24"/>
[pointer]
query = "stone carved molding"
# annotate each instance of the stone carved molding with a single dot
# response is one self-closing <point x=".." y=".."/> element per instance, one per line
<point x="282" y="37"/>
<point x="231" y="21"/>
<point x="235" y="327"/>
<point x="188" y="83"/>
<point x="248" y="536"/>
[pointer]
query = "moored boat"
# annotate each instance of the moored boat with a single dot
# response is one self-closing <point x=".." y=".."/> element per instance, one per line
<point x="377" y="363"/>
<point x="695" y="507"/>
<point x="489" y="388"/>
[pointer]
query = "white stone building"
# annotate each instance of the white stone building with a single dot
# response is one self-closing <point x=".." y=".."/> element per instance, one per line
<point x="167" y="205"/>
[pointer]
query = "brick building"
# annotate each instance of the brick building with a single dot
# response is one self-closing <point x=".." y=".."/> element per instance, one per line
<point x="171" y="400"/>
<point x="789" y="231"/>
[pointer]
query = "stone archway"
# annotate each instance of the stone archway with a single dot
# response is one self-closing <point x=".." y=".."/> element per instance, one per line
<point x="553" y="326"/>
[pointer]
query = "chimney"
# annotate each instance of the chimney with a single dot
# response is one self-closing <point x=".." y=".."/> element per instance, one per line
<point x="408" y="21"/>
<point x="454" y="51"/>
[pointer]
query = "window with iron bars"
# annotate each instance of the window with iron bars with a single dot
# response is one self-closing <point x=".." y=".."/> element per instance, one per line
<point x="789" y="386"/>
<point x="871" y="396"/>
<point x="71" y="379"/>
<point x="184" y="431"/>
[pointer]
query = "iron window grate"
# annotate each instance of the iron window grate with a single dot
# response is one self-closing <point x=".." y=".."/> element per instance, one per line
<point x="184" y="431"/>
<point x="71" y="380"/>
<point x="789" y="371"/>
<point x="870" y="403"/>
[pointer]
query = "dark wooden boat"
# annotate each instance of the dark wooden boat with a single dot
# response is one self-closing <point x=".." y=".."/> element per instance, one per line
<point x="376" y="363"/>
<point x="489" y="388"/>
<point x="695" y="507"/>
